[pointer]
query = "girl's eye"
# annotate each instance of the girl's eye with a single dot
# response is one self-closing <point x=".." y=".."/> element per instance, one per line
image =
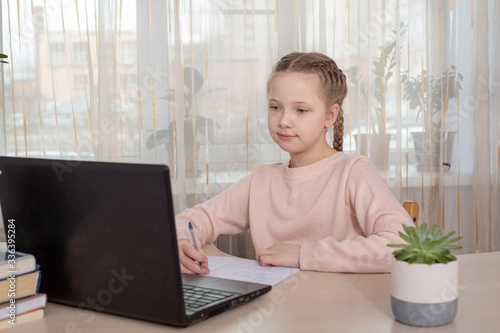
<point x="273" y="107"/>
<point x="301" y="110"/>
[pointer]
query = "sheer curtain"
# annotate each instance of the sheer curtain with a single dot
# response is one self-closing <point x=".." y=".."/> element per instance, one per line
<point x="423" y="102"/>
<point x="182" y="83"/>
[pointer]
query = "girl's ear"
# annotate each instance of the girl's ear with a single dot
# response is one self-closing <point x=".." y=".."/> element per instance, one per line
<point x="331" y="115"/>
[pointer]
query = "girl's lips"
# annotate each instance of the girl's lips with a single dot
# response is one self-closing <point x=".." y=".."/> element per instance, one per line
<point x="286" y="136"/>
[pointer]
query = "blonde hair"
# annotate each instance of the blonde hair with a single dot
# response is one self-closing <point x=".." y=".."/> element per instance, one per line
<point x="333" y="83"/>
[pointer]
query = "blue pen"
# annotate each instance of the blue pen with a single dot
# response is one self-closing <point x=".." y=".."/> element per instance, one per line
<point x="194" y="240"/>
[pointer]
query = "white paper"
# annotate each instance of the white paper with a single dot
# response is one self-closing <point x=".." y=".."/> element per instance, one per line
<point x="247" y="270"/>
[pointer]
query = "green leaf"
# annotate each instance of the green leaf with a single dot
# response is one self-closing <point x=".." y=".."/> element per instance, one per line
<point x="397" y="245"/>
<point x="405" y="237"/>
<point x="425" y="245"/>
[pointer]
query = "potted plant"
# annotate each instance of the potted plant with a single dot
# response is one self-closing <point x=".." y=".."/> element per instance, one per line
<point x="193" y="124"/>
<point x="430" y="96"/>
<point x="424" y="277"/>
<point x="383" y="68"/>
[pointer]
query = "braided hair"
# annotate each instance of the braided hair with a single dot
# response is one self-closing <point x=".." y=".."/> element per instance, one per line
<point x="333" y="83"/>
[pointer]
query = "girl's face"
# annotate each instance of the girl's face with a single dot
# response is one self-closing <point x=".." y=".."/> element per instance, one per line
<point x="297" y="117"/>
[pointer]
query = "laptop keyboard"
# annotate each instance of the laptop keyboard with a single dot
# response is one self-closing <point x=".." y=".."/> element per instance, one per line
<point x="196" y="297"/>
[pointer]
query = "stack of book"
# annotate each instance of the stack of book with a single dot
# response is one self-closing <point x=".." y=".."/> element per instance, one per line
<point x="20" y="301"/>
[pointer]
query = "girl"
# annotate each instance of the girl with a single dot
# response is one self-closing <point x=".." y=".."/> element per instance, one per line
<point x="322" y="210"/>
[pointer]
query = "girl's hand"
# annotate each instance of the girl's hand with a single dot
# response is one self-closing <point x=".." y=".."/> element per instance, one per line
<point x="280" y="254"/>
<point x="190" y="259"/>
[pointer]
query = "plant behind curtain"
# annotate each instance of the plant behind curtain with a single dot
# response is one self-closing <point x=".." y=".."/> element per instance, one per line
<point x="183" y="83"/>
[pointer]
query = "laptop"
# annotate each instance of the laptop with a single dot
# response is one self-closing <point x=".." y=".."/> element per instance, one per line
<point x="104" y="237"/>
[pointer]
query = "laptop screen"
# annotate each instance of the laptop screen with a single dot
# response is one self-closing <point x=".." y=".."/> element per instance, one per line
<point x="102" y="233"/>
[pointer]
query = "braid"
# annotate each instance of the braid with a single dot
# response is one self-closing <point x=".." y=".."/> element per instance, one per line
<point x="334" y="82"/>
<point x="331" y="76"/>
<point x="338" y="132"/>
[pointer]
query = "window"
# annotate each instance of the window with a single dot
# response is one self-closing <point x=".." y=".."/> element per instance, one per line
<point x="130" y="80"/>
<point x="81" y="81"/>
<point x="128" y="52"/>
<point x="80" y="54"/>
<point x="57" y="54"/>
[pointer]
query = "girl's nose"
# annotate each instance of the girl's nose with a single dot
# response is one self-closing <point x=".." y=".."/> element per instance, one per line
<point x="285" y="120"/>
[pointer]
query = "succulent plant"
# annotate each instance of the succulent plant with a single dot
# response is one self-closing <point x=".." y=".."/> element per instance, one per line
<point x="425" y="245"/>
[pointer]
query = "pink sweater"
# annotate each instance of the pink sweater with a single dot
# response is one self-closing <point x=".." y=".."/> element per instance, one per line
<point x="339" y="209"/>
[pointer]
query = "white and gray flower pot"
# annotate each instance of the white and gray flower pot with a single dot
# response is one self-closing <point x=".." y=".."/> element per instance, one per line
<point x="424" y="295"/>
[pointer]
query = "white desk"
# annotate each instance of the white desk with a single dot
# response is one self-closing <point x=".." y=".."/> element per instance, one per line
<point x="315" y="302"/>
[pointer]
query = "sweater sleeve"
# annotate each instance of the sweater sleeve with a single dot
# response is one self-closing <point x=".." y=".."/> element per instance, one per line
<point x="224" y="214"/>
<point x="376" y="215"/>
